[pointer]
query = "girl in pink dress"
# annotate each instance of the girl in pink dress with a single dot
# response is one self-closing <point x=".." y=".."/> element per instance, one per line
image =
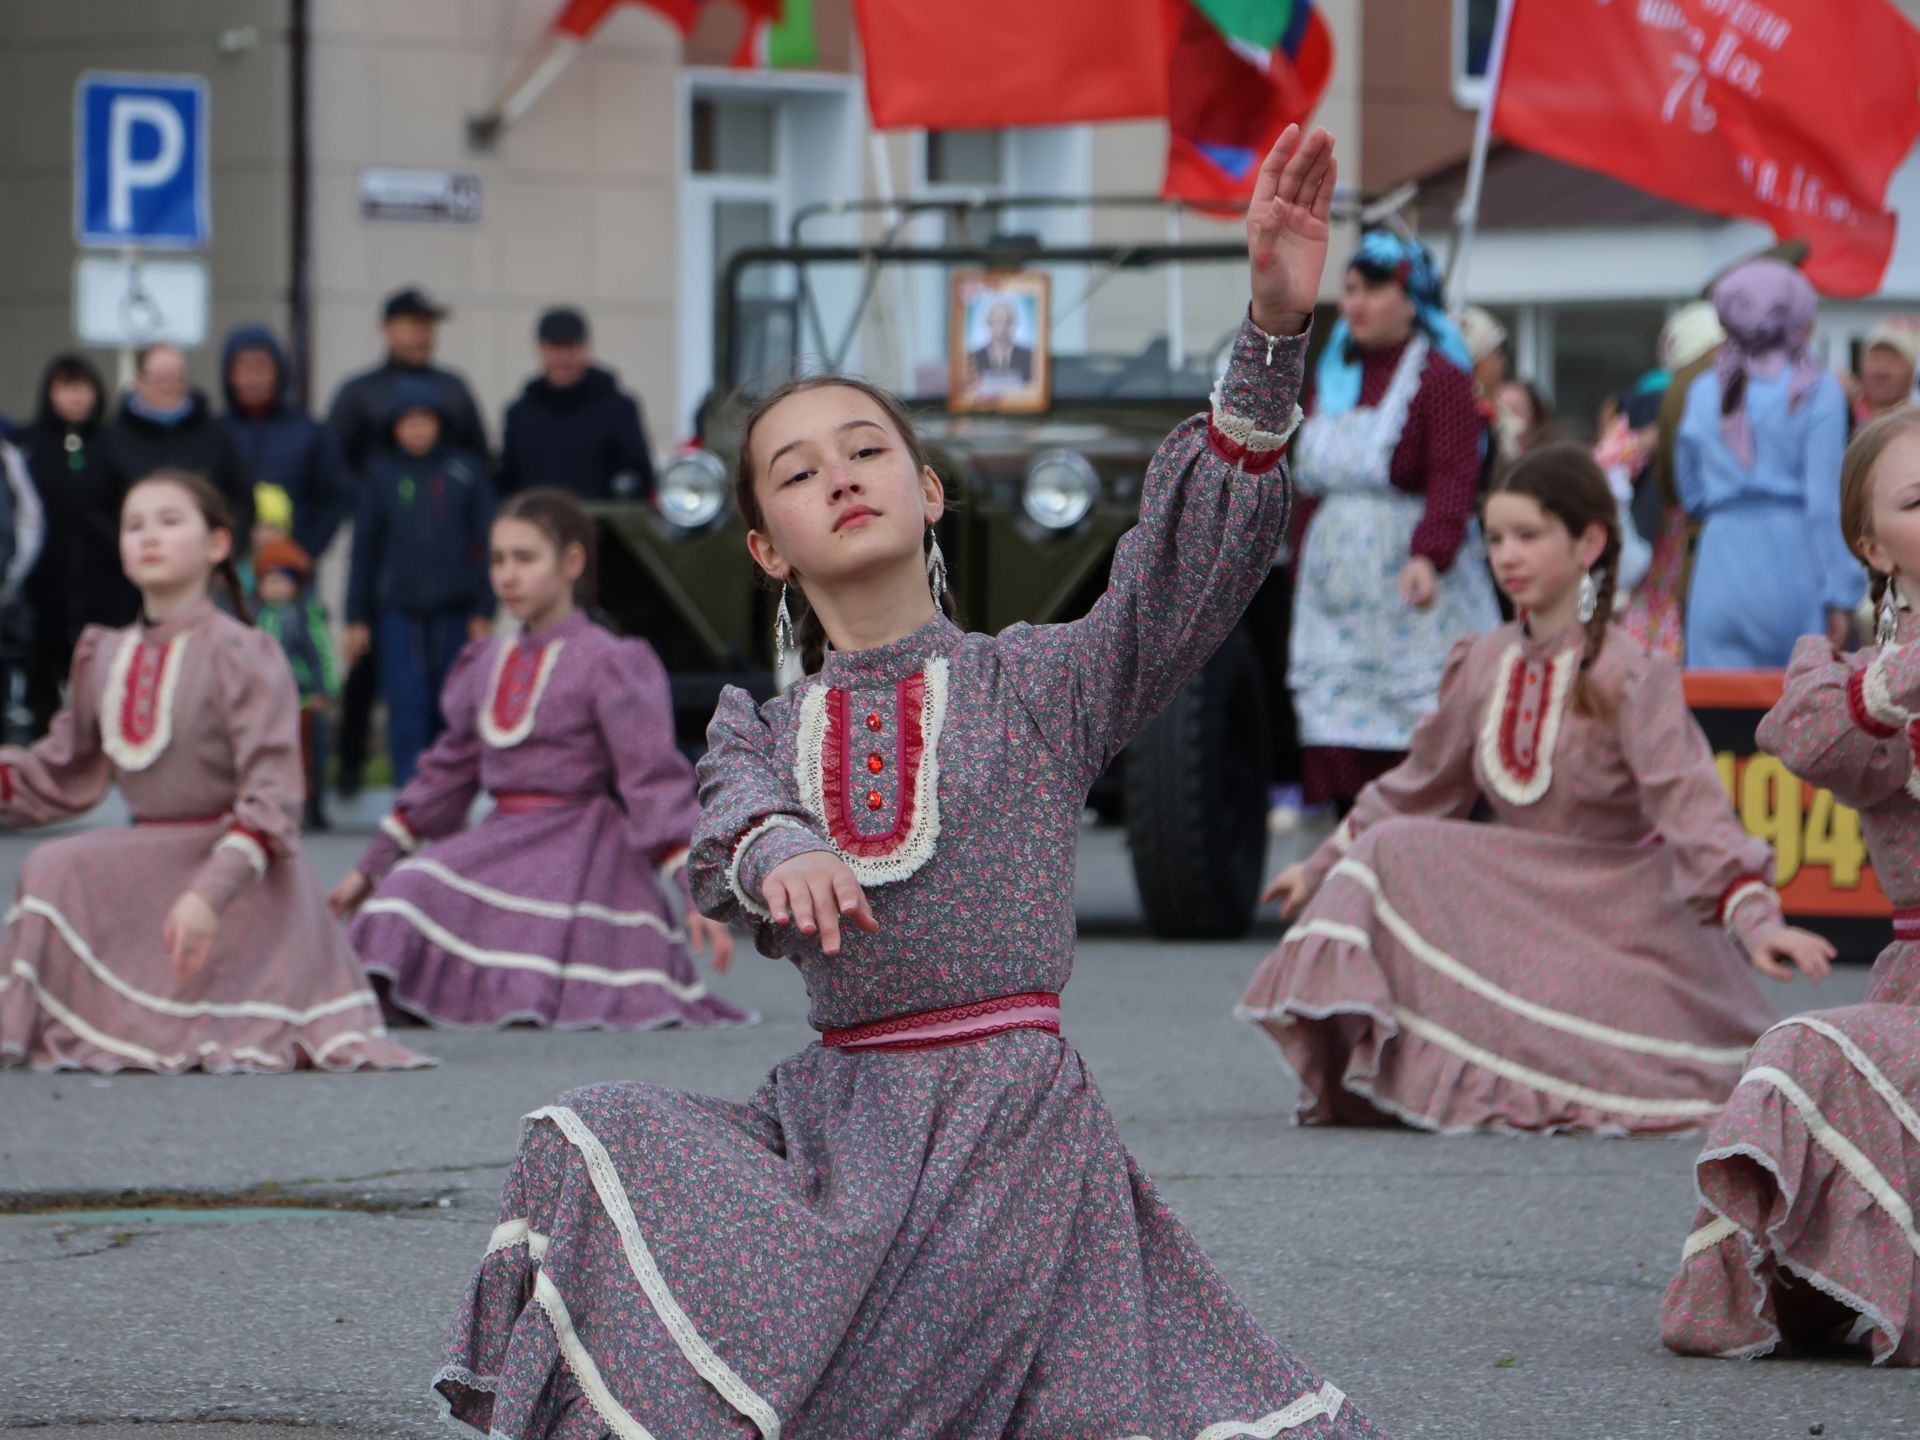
<point x="1575" y="965"/>
<point x="553" y="910"/>
<point x="198" y="937"/>
<point x="1809" y="1178"/>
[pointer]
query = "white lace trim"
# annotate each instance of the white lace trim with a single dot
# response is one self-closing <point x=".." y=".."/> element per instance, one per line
<point x="1877" y="696"/>
<point x="1862" y="1063"/>
<point x="1343" y="835"/>
<point x="744" y="844"/>
<point x="1561" y="668"/>
<point x="676" y="862"/>
<point x="509" y="1233"/>
<point x="917" y="847"/>
<point x="1244" y="432"/>
<point x="613" y="1200"/>
<point x="1864" y="1172"/>
<point x="473" y="954"/>
<point x="490" y="731"/>
<point x="1708" y="1236"/>
<point x="139" y="1054"/>
<point x="592" y="1384"/>
<point x="241" y="1009"/>
<point x="252" y="849"/>
<point x="1322" y="1404"/>
<point x="124" y="753"/>
<point x="1468" y="978"/>
<point x="395" y="829"/>
<point x="1513" y="1070"/>
<point x="1739" y="896"/>
<point x="544" y="909"/>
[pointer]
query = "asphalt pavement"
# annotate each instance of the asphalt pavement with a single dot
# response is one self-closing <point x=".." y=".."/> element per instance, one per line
<point x="1485" y="1287"/>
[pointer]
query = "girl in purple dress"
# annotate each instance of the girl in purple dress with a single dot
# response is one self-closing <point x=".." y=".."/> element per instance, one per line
<point x="197" y="937"/>
<point x="1808" y="1181"/>
<point x="924" y="1226"/>
<point x="1577" y="964"/>
<point x="552" y="910"/>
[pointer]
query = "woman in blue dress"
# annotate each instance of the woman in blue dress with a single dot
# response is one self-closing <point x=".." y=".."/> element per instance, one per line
<point x="1757" y="459"/>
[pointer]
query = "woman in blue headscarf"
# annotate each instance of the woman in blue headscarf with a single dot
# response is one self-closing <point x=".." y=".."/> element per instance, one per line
<point x="1757" y="457"/>
<point x="1392" y="570"/>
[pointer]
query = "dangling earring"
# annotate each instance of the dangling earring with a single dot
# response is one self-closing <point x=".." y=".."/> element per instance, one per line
<point x="1589" y="601"/>
<point x="936" y="572"/>
<point x="783" y="640"/>
<point x="1887" y="625"/>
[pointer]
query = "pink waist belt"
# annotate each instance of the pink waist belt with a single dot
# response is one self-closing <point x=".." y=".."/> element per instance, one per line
<point x="526" y="802"/>
<point x="955" y="1025"/>
<point x="1906" y="924"/>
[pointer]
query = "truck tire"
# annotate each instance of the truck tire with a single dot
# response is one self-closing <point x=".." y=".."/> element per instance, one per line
<point x="1196" y="797"/>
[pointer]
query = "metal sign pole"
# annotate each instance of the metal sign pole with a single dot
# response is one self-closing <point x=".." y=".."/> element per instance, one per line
<point x="1467" y="218"/>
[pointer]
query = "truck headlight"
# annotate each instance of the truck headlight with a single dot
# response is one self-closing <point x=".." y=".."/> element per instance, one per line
<point x="1060" y="489"/>
<point x="693" y="489"/>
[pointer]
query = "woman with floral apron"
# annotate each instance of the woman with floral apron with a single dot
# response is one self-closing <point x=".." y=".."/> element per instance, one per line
<point x="1392" y="571"/>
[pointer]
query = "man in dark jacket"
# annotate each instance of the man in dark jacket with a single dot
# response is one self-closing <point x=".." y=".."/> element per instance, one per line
<point x="573" y="428"/>
<point x="165" y="424"/>
<point x="362" y="408"/>
<point x="78" y="581"/>
<point x="279" y="443"/>
<point x="419" y="580"/>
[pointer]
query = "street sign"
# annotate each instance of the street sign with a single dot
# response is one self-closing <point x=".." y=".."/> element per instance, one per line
<point x="140" y="161"/>
<point x="448" y="196"/>
<point x="130" y="303"/>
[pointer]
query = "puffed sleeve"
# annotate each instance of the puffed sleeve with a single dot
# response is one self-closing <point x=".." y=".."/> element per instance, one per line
<point x="252" y="681"/>
<point x="1435" y="780"/>
<point x="65" y="772"/>
<point x="1724" y="873"/>
<point x="1837" y="724"/>
<point x="436" y="801"/>
<point x="633" y="706"/>
<point x="1452" y="434"/>
<point x="751" y="820"/>
<point x="1213" y="511"/>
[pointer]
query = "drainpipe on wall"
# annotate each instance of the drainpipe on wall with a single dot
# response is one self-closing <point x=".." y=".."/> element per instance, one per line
<point x="299" y="203"/>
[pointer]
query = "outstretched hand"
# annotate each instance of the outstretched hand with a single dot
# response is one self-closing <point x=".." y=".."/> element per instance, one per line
<point x="817" y="892"/>
<point x="1291" y="888"/>
<point x="1287" y="229"/>
<point x="1786" y="948"/>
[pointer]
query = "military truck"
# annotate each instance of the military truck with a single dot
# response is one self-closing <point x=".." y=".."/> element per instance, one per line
<point x="1139" y="331"/>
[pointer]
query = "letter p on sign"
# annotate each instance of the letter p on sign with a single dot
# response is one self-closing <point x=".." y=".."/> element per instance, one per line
<point x="140" y="161"/>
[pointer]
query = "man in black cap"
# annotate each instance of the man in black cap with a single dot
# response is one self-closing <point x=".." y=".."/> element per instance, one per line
<point x="573" y="427"/>
<point x="361" y="413"/>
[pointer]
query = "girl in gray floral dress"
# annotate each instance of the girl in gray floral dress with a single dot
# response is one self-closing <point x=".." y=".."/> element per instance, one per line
<point x="924" y="1226"/>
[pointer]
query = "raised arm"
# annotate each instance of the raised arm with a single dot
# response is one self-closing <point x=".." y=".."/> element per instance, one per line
<point x="254" y="685"/>
<point x="1725" y="874"/>
<point x="436" y="801"/>
<point x="65" y="772"/>
<point x="1213" y="508"/>
<point x="1838" y="724"/>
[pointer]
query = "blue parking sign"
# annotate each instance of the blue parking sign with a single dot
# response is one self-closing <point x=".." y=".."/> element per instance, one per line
<point x="140" y="161"/>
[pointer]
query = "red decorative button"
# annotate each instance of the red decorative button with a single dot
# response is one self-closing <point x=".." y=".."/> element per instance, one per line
<point x="873" y="723"/>
<point x="876" y="762"/>
<point x="875" y="799"/>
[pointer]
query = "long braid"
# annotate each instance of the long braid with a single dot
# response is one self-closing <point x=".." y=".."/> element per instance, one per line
<point x="228" y="574"/>
<point x="1587" y="699"/>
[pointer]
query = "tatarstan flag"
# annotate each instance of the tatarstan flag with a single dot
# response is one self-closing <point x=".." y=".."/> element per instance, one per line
<point x="1240" y="72"/>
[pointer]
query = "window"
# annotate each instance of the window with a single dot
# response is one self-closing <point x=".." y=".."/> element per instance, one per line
<point x="1473" y="26"/>
<point x="732" y="137"/>
<point x="966" y="157"/>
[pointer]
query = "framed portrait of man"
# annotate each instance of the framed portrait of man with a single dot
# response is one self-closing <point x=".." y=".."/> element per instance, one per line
<point x="998" y="355"/>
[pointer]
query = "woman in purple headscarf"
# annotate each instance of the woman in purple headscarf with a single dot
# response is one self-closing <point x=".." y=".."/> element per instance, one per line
<point x="1757" y="458"/>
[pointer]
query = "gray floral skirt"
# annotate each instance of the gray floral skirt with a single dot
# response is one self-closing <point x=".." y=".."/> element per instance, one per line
<point x="907" y="1245"/>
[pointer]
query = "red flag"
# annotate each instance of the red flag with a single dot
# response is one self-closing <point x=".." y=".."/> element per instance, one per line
<point x="988" y="63"/>
<point x="1790" y="112"/>
<point x="1231" y="93"/>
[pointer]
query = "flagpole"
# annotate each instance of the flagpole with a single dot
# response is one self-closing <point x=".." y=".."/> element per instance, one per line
<point x="1467" y="217"/>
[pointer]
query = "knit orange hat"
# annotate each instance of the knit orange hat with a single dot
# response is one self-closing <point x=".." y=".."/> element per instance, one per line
<point x="282" y="555"/>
